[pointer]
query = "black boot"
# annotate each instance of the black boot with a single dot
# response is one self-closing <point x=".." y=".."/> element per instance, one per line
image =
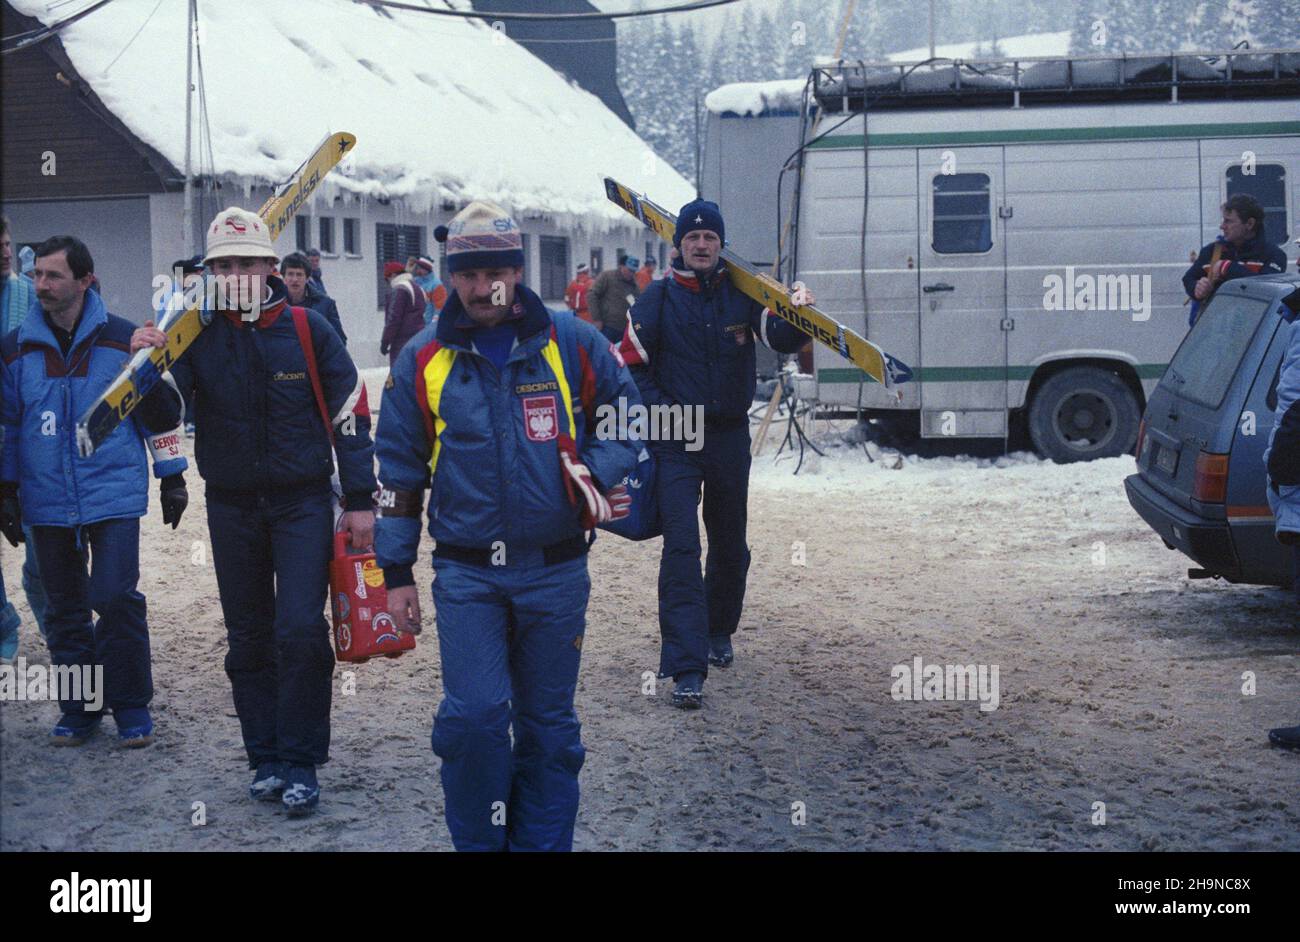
<point x="720" y="653"/>
<point x="689" y="693"/>
<point x="1285" y="737"/>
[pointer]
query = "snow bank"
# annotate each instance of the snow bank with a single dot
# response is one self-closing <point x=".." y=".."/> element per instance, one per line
<point x="1014" y="477"/>
<point x="442" y="108"/>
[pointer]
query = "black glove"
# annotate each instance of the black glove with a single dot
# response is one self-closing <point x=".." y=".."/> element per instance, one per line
<point x="11" y="515"/>
<point x="174" y="499"/>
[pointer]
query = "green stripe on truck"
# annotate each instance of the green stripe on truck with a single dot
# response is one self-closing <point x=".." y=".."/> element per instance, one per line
<point x="1041" y="135"/>
<point x="965" y="374"/>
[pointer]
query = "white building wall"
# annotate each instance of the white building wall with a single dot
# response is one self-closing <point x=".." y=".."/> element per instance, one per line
<point x="117" y="232"/>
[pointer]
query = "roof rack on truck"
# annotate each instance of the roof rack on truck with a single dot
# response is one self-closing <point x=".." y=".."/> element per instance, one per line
<point x="848" y="86"/>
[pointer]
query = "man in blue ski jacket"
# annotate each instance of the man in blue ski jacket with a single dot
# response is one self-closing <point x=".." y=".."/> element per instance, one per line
<point x="266" y="455"/>
<point x="689" y="342"/>
<point x="68" y="349"/>
<point x="483" y="408"/>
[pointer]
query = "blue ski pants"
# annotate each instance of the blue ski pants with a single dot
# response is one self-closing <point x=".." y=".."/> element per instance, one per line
<point x="272" y="553"/>
<point x="693" y="607"/>
<point x="511" y="639"/>
<point x="119" y="640"/>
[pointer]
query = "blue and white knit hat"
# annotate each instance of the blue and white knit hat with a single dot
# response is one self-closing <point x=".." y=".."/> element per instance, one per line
<point x="482" y="235"/>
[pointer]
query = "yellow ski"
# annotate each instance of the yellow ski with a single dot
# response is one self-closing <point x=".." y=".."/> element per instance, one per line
<point x="862" y="353"/>
<point x="145" y="369"/>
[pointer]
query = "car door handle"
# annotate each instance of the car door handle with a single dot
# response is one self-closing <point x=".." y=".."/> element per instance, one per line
<point x="940" y="286"/>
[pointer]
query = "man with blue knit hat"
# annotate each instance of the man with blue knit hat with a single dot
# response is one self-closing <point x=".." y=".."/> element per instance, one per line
<point x="493" y="409"/>
<point x="689" y="342"/>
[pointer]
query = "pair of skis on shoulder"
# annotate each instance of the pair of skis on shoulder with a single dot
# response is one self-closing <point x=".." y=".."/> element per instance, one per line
<point x="862" y="353"/>
<point x="145" y="369"/>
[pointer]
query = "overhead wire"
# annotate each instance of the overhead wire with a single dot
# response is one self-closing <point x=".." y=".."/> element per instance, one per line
<point x="40" y="35"/>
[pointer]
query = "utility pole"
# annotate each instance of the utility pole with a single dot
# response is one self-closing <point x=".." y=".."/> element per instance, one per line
<point x="187" y="217"/>
<point x="931" y="29"/>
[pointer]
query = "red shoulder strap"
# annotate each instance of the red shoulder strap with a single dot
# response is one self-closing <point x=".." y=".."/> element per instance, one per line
<point x="309" y="352"/>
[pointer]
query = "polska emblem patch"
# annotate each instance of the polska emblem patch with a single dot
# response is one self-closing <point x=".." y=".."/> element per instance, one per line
<point x="540" y="419"/>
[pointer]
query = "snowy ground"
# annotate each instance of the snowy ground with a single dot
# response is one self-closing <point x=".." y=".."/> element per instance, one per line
<point x="1120" y="682"/>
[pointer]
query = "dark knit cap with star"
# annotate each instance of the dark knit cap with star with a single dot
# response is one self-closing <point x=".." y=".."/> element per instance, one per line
<point x="699" y="214"/>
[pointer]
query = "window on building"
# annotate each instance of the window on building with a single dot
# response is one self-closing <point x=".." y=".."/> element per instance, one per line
<point x="649" y="252"/>
<point x="326" y="235"/>
<point x="351" y="236"/>
<point x="1268" y="185"/>
<point x="619" y="254"/>
<point x="394" y="244"/>
<point x="962" y="219"/>
<point x="553" y="266"/>
<point x="597" y="262"/>
<point x="302" y="233"/>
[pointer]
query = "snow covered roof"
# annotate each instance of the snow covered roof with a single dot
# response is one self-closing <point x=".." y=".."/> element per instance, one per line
<point x="752" y="98"/>
<point x="442" y="107"/>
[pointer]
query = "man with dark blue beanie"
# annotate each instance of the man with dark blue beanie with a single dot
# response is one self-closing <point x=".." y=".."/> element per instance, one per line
<point x="689" y="343"/>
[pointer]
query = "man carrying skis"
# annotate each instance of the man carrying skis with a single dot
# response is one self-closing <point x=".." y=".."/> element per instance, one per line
<point x="54" y="366"/>
<point x="483" y="409"/>
<point x="689" y="341"/>
<point x="264" y="450"/>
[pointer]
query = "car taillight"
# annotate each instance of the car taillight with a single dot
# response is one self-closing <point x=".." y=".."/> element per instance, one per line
<point x="1211" y="484"/>
<point x="1142" y="434"/>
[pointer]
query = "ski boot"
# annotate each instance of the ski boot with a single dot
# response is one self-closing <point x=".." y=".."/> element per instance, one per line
<point x="720" y="653"/>
<point x="268" y="781"/>
<point x="1285" y="737"/>
<point x="689" y="692"/>
<point x="301" y="792"/>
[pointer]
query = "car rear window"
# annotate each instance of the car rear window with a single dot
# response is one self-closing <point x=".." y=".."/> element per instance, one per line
<point x="1204" y="365"/>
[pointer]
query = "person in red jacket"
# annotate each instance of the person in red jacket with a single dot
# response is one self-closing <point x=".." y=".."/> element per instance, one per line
<point x="646" y="273"/>
<point x="404" y="312"/>
<point x="575" y="296"/>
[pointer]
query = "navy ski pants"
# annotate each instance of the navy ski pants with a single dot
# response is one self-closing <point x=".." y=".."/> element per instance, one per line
<point x="510" y="637"/>
<point x="120" y="639"/>
<point x="272" y="554"/>
<point x="693" y="607"/>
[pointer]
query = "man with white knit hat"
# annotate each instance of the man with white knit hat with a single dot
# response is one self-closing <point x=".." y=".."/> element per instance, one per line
<point x="483" y="407"/>
<point x="266" y="454"/>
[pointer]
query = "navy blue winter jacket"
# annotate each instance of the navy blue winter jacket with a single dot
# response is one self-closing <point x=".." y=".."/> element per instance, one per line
<point x="257" y="425"/>
<point x="1271" y="260"/>
<point x="691" y="343"/>
<point x="322" y="303"/>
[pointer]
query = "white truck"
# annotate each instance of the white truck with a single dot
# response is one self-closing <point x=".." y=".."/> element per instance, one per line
<point x="1015" y="230"/>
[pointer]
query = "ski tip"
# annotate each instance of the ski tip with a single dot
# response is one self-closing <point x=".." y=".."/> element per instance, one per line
<point x="896" y="371"/>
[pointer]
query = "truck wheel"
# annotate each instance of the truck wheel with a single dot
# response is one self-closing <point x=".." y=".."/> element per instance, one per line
<point x="1083" y="413"/>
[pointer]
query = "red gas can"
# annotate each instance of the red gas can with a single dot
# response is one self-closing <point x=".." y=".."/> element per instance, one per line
<point x="362" y="626"/>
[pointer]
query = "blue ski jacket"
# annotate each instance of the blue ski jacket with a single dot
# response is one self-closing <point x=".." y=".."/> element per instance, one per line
<point x="45" y="393"/>
<point x="487" y="442"/>
<point x="258" y="428"/>
<point x="690" y="342"/>
<point x="324" y="305"/>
